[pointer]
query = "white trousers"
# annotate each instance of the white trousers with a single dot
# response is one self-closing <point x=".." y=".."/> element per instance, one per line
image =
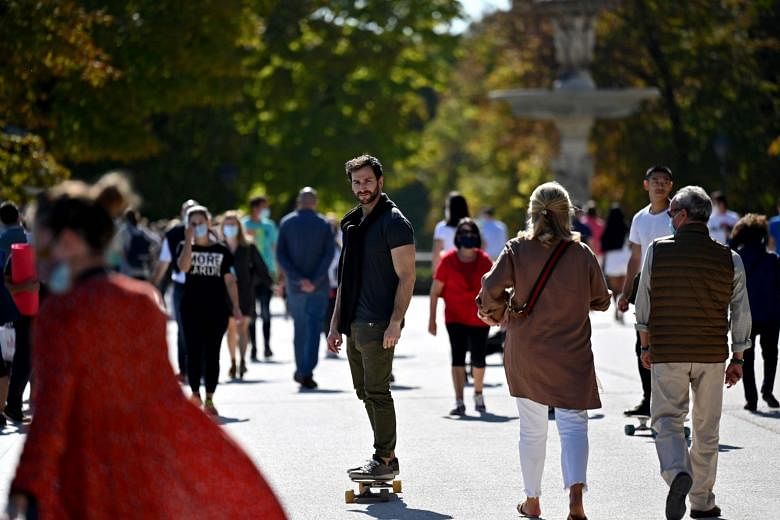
<point x="573" y="431"/>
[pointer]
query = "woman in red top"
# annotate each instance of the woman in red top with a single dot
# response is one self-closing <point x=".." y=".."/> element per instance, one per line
<point x="457" y="279"/>
<point x="113" y="435"/>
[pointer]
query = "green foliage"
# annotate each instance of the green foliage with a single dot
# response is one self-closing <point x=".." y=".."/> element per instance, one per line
<point x="26" y="167"/>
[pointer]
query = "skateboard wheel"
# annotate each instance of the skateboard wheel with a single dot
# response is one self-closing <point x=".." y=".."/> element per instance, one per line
<point x="384" y="495"/>
<point x="349" y="496"/>
<point x="397" y="486"/>
<point x="629" y="429"/>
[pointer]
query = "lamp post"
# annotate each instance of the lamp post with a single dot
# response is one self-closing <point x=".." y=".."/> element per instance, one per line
<point x="720" y="146"/>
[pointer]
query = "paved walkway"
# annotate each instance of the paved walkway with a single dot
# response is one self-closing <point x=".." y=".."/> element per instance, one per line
<point x="464" y="468"/>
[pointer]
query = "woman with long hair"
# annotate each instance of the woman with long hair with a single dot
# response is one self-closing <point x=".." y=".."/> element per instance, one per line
<point x="210" y="292"/>
<point x="113" y="435"/>
<point x="547" y="355"/>
<point x="762" y="270"/>
<point x="616" y="254"/>
<point x="250" y="271"/>
<point x="455" y="209"/>
<point x="457" y="280"/>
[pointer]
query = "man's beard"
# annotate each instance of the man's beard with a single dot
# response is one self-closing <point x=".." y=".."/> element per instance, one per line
<point x="372" y="198"/>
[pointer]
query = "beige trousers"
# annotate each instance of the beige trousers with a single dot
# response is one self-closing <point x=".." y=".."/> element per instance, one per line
<point x="669" y="404"/>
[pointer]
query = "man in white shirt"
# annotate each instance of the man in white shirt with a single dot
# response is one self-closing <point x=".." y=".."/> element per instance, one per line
<point x="493" y="231"/>
<point x="722" y="220"/>
<point x="649" y="223"/>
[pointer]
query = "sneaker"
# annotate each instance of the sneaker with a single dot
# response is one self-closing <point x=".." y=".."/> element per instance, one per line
<point x="771" y="401"/>
<point x="13" y="413"/>
<point x="715" y="512"/>
<point x="309" y="383"/>
<point x="253" y="358"/>
<point x="209" y="407"/>
<point x="393" y="464"/>
<point x="479" y="403"/>
<point x="375" y="469"/>
<point x="232" y="371"/>
<point x="298" y="379"/>
<point x="642" y="408"/>
<point x="268" y="353"/>
<point x="675" y="500"/>
<point x="242" y="369"/>
<point x="750" y="407"/>
<point x="460" y="408"/>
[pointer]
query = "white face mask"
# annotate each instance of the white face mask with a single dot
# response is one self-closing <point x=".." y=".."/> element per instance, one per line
<point x="265" y="213"/>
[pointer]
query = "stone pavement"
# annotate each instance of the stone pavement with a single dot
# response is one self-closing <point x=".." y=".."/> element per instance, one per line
<point x="464" y="468"/>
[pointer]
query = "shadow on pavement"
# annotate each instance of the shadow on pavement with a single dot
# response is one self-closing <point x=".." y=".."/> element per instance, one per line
<point x="398" y="509"/>
<point x="770" y="415"/>
<point x="485" y="417"/>
<point x="302" y="390"/>
<point x="230" y="420"/>
<point x="244" y="381"/>
<point x="403" y="356"/>
<point x="595" y="416"/>
<point x="400" y="388"/>
<point x="725" y="448"/>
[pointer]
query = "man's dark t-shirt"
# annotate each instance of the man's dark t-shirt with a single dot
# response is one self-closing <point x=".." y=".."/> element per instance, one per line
<point x="205" y="285"/>
<point x="378" y="281"/>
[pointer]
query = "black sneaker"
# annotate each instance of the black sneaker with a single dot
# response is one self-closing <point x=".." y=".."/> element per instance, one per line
<point x="715" y="512"/>
<point x="13" y="413"/>
<point x="750" y="407"/>
<point x="375" y="469"/>
<point x="393" y="464"/>
<point x="309" y="383"/>
<point x="297" y="378"/>
<point x="771" y="401"/>
<point x="268" y="353"/>
<point x="675" y="500"/>
<point x="460" y="409"/>
<point x="642" y="408"/>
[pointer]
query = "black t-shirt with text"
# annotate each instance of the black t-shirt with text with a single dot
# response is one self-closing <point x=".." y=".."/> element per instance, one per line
<point x="205" y="284"/>
<point x="378" y="281"/>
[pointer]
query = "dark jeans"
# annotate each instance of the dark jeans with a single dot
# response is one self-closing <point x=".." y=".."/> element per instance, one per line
<point x="263" y="295"/>
<point x="644" y="373"/>
<point x="371" y="366"/>
<point x="22" y="363"/>
<point x="768" y="332"/>
<point x="464" y="338"/>
<point x="203" y="331"/>
<point x="178" y="292"/>
<point x="307" y="311"/>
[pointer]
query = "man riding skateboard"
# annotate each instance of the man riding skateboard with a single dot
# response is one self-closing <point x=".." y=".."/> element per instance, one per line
<point x="376" y="278"/>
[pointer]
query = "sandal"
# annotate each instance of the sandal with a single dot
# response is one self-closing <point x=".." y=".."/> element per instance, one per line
<point x="523" y="513"/>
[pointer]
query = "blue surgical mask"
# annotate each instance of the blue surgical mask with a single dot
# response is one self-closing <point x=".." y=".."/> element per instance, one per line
<point x="265" y="213"/>
<point x="230" y="230"/>
<point x="60" y="278"/>
<point x="201" y="230"/>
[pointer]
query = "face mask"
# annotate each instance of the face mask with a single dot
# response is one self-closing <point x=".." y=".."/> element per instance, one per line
<point x="265" y="213"/>
<point x="60" y="279"/>
<point x="230" y="231"/>
<point x="468" y="241"/>
<point x="201" y="230"/>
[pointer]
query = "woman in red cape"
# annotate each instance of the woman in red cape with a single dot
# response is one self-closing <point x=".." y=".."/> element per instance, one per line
<point x="113" y="435"/>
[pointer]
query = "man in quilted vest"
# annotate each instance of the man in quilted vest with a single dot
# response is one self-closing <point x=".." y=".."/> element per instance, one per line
<point x="688" y="286"/>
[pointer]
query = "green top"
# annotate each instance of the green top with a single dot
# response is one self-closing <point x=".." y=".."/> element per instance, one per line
<point x="265" y="234"/>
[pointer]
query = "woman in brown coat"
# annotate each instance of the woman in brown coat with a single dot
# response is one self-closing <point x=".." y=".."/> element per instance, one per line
<point x="547" y="356"/>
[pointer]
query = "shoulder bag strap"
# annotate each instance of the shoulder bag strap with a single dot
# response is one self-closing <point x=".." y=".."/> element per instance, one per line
<point x="543" y="277"/>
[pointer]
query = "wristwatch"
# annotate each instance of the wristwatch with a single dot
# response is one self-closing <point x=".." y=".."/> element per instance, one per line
<point x="735" y="361"/>
<point x="645" y="348"/>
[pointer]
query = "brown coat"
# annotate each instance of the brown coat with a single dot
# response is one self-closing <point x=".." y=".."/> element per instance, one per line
<point x="547" y="355"/>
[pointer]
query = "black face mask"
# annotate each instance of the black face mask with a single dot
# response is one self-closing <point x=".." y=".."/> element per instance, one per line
<point x="468" y="241"/>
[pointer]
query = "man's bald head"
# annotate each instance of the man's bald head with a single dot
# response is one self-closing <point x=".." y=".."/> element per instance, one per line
<point x="307" y="198"/>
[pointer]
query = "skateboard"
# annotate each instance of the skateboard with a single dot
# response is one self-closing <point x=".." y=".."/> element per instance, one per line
<point x="383" y="491"/>
<point x="631" y="429"/>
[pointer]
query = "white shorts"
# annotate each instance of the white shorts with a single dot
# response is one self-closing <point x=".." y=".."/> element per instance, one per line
<point x="616" y="261"/>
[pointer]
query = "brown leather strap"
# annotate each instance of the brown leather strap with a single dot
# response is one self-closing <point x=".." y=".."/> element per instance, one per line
<point x="543" y="277"/>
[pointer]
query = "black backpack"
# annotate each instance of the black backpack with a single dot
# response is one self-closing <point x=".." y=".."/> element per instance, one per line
<point x="139" y="249"/>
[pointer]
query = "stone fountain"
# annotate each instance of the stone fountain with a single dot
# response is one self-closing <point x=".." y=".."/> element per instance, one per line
<point x="574" y="102"/>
